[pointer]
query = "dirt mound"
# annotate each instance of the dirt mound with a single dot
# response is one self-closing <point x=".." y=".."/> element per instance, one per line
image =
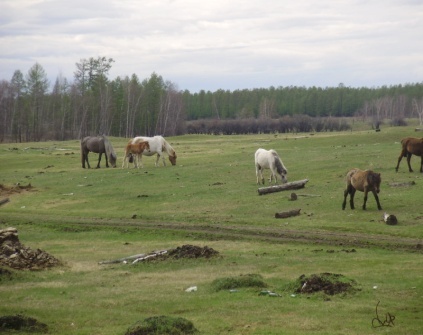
<point x="22" y="323"/>
<point x="192" y="251"/>
<point x="16" y="256"/>
<point x="329" y="283"/>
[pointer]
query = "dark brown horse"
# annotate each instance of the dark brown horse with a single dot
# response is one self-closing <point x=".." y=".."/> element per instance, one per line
<point x="411" y="146"/>
<point x="363" y="181"/>
<point x="100" y="145"/>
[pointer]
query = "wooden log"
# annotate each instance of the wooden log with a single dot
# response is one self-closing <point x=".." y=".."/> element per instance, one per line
<point x="390" y="219"/>
<point x="294" y="185"/>
<point x="408" y="183"/>
<point x="3" y="201"/>
<point x="284" y="215"/>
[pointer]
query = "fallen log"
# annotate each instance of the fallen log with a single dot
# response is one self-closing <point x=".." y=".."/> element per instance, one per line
<point x="390" y="219"/>
<point x="284" y="215"/>
<point x="407" y="183"/>
<point x="3" y="201"/>
<point x="294" y="185"/>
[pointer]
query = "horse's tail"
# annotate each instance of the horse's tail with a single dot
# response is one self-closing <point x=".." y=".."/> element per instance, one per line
<point x="404" y="143"/>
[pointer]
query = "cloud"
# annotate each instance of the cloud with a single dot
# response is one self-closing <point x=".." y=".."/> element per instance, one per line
<point x="220" y="44"/>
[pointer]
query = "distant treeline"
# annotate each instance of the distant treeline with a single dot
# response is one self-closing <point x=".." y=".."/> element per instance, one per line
<point x="33" y="109"/>
<point x="285" y="124"/>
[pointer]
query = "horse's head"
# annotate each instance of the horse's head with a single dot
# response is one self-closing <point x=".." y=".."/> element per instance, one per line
<point x="173" y="159"/>
<point x="112" y="159"/>
<point x="375" y="180"/>
<point x="283" y="176"/>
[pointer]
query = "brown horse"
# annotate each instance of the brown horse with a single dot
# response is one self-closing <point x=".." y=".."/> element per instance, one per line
<point x="363" y="181"/>
<point x="411" y="146"/>
<point x="100" y="145"/>
<point x="133" y="152"/>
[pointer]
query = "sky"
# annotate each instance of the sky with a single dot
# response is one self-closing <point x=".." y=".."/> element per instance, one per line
<point x="220" y="44"/>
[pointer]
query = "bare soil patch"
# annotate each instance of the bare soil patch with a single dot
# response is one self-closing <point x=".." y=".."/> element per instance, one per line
<point x="9" y="190"/>
<point x="15" y="255"/>
<point x="328" y="283"/>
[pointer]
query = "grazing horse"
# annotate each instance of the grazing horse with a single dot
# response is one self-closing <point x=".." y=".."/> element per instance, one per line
<point x="411" y="146"/>
<point x="134" y="151"/>
<point x="363" y="181"/>
<point x="269" y="159"/>
<point x="100" y="145"/>
<point x="158" y="145"/>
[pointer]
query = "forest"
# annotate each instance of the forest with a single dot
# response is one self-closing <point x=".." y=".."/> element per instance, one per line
<point x="91" y="103"/>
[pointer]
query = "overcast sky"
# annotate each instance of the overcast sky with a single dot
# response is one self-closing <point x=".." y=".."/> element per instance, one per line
<point x="220" y="44"/>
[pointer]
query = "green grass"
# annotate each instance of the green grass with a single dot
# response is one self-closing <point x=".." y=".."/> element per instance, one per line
<point x="84" y="216"/>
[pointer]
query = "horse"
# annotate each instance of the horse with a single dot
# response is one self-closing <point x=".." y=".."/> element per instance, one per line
<point x="411" y="146"/>
<point x="269" y="159"/>
<point x="133" y="152"/>
<point x="158" y="145"/>
<point x="100" y="145"/>
<point x="363" y="181"/>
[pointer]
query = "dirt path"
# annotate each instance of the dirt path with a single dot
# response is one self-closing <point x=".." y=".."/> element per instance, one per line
<point x="239" y="232"/>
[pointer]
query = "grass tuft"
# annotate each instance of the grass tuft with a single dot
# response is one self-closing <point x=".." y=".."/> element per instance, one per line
<point x="228" y="283"/>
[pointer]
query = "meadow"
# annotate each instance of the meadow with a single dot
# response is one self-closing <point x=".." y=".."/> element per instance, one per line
<point x="210" y="198"/>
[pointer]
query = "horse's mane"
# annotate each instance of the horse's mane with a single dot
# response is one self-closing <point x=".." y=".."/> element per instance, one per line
<point x="278" y="163"/>
<point x="108" y="147"/>
<point x="168" y="148"/>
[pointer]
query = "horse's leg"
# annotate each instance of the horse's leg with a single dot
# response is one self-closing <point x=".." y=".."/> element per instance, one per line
<point x="408" y="161"/>
<point x="83" y="160"/>
<point x="107" y="162"/>
<point x="366" y="191"/>
<point x="164" y="160"/>
<point x="421" y="165"/>
<point x="99" y="160"/>
<point x="259" y="173"/>
<point x="88" y="163"/>
<point x="379" y="207"/>
<point x="352" y="193"/>
<point x="403" y="154"/>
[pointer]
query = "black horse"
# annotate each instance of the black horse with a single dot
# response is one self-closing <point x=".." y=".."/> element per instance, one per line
<point x="100" y="145"/>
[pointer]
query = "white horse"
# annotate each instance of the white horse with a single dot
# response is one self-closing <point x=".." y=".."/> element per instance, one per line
<point x="269" y="159"/>
<point x="158" y="145"/>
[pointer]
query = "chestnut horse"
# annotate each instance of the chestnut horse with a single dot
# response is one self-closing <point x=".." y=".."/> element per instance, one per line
<point x="100" y="145"/>
<point x="134" y="151"/>
<point x="411" y="146"/>
<point x="363" y="181"/>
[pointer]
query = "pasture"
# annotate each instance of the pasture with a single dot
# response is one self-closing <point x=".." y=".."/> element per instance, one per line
<point x="209" y="198"/>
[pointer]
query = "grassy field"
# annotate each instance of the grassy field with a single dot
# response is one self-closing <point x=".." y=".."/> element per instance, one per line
<point x="84" y="216"/>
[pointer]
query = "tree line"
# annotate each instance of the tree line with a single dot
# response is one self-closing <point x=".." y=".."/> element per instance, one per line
<point x="33" y="109"/>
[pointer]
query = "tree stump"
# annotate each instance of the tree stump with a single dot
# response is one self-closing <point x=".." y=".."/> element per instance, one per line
<point x="390" y="219"/>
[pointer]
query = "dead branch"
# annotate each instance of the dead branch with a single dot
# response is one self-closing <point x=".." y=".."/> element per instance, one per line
<point x="283" y="187"/>
<point x="284" y="215"/>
